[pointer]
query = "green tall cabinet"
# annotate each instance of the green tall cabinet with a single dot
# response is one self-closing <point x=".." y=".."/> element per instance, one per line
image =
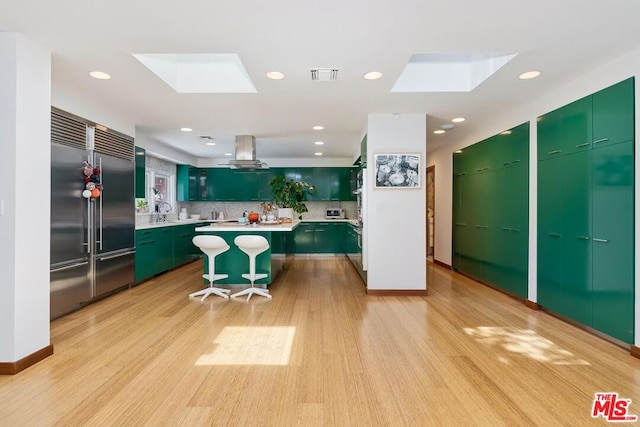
<point x="491" y="210"/>
<point x="586" y="210"/>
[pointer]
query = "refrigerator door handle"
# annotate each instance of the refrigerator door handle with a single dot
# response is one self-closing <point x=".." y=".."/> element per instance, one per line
<point x="105" y="258"/>
<point x="68" y="267"/>
<point x="101" y="196"/>
<point x="88" y="243"/>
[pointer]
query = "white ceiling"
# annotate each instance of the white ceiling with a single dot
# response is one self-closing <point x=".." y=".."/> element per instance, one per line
<point x="561" y="38"/>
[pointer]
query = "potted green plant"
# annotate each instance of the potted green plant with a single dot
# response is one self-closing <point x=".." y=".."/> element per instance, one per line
<point x="142" y="205"/>
<point x="289" y="195"/>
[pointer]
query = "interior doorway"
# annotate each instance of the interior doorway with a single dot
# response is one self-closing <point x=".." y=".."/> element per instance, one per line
<point x="431" y="210"/>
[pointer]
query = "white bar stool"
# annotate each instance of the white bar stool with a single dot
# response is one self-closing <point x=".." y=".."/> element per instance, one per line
<point x="212" y="246"/>
<point x="252" y="245"/>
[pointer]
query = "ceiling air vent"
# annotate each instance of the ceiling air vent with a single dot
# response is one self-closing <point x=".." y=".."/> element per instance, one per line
<point x="324" y="74"/>
<point x="206" y="137"/>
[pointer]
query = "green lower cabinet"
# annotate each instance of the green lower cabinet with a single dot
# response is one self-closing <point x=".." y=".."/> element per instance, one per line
<point x="612" y="241"/>
<point x="576" y="231"/>
<point x="321" y="238"/>
<point x="585" y="238"/>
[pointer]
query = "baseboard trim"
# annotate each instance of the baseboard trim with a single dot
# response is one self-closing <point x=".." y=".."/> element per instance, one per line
<point x="26" y="362"/>
<point x="442" y="264"/>
<point x="532" y="305"/>
<point x="635" y="351"/>
<point x="398" y="293"/>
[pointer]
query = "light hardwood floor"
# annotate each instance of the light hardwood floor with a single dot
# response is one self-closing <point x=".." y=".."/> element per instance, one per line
<point x="321" y="352"/>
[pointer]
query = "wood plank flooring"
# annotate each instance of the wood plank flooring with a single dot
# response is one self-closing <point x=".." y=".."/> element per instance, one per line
<point x="321" y="352"/>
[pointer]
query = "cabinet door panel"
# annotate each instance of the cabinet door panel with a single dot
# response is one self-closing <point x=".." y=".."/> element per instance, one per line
<point x="141" y="186"/>
<point x="613" y="114"/>
<point x="576" y="231"/>
<point x="576" y="126"/>
<point x="550" y="234"/>
<point x="613" y="252"/>
<point x="305" y="238"/>
<point x="550" y="135"/>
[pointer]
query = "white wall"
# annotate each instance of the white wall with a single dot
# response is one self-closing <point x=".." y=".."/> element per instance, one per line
<point x="396" y="218"/>
<point x="25" y="121"/>
<point x="600" y="77"/>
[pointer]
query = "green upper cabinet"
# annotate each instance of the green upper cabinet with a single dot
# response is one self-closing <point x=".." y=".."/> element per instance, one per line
<point x="363" y="152"/>
<point x="604" y="118"/>
<point x="187" y="181"/>
<point x="141" y="187"/>
<point x="613" y="118"/>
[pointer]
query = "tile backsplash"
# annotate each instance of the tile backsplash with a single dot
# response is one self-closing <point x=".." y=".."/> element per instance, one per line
<point x="235" y="209"/>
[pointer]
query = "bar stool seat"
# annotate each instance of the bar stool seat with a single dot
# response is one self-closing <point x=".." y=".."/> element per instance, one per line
<point x="252" y="245"/>
<point x="212" y="246"/>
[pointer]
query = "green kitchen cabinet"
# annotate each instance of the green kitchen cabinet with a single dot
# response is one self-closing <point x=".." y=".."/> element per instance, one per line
<point x="140" y="174"/>
<point x="612" y="240"/>
<point x="330" y="237"/>
<point x="576" y="231"/>
<point x="613" y="114"/>
<point x="304" y="236"/>
<point x="586" y="214"/>
<point x="490" y="210"/>
<point x="550" y="134"/>
<point x="184" y="250"/>
<point x="154" y="252"/>
<point x="550" y="207"/>
<point x="187" y="182"/>
<point x="576" y="126"/>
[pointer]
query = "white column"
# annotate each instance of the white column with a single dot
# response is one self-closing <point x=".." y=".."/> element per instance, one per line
<point x="396" y="218"/>
<point x="25" y="104"/>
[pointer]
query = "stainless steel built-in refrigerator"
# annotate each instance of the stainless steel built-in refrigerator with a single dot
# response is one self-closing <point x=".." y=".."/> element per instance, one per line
<point x="92" y="240"/>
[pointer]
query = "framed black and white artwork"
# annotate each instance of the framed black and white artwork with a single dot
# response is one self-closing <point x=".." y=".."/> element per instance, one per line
<point x="401" y="170"/>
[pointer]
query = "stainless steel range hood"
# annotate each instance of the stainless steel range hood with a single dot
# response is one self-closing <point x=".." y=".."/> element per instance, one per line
<point x="246" y="154"/>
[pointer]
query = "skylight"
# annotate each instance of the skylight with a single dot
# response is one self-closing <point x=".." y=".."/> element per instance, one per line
<point x="200" y="73"/>
<point x="445" y="72"/>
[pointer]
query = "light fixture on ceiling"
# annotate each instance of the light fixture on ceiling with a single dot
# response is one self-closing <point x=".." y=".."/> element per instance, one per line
<point x="275" y="75"/>
<point x="228" y="154"/>
<point x="186" y="129"/>
<point x="439" y="131"/>
<point x="458" y="120"/>
<point x="318" y="127"/>
<point x="373" y="75"/>
<point x="100" y="75"/>
<point x="529" y="75"/>
<point x="318" y="154"/>
<point x="211" y="143"/>
<point x="319" y="142"/>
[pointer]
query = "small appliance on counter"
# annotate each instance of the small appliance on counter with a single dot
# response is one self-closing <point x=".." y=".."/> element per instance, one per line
<point x="334" y="213"/>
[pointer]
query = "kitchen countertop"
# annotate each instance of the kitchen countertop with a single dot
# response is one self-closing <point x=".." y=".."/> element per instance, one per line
<point x="235" y="226"/>
<point x="172" y="223"/>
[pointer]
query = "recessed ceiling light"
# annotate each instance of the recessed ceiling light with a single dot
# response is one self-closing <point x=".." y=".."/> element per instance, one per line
<point x="318" y="154"/>
<point x="458" y="120"/>
<point x="275" y="75"/>
<point x="319" y="143"/>
<point x="373" y="75"/>
<point x="100" y="75"/>
<point x="186" y="129"/>
<point x="529" y="75"/>
<point x="318" y="127"/>
<point x="211" y="143"/>
<point x="439" y="131"/>
<point x="227" y="154"/>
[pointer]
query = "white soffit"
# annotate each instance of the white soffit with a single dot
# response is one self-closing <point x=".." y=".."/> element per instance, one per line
<point x="445" y="72"/>
<point x="200" y="73"/>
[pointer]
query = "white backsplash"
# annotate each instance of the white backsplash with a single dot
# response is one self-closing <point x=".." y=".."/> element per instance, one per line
<point x="233" y="210"/>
